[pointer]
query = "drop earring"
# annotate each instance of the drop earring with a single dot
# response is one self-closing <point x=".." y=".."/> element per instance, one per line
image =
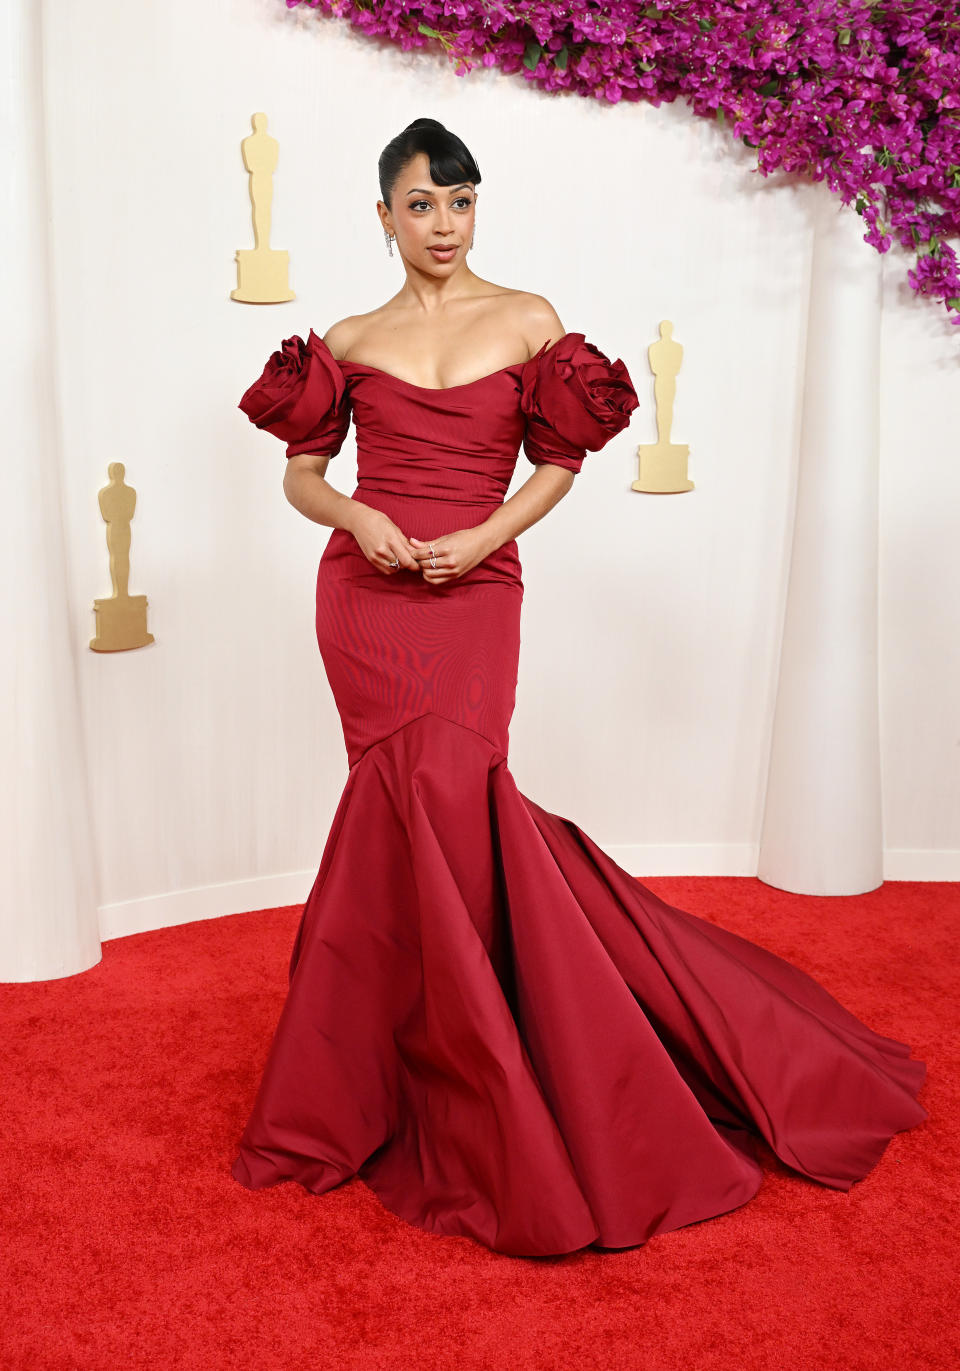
<point x="389" y="241"/>
<point x="473" y="236"/>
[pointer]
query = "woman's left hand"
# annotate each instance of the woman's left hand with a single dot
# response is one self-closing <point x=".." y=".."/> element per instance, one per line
<point x="456" y="553"/>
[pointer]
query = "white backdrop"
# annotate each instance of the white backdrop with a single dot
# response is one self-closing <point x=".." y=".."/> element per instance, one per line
<point x="198" y="776"/>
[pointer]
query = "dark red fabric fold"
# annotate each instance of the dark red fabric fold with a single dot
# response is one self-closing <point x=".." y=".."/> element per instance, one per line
<point x="301" y="397"/>
<point x="509" y="1038"/>
<point x="575" y="400"/>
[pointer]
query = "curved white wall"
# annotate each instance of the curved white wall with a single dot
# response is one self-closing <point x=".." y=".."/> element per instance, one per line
<point x="48" y="913"/>
<point x="652" y="624"/>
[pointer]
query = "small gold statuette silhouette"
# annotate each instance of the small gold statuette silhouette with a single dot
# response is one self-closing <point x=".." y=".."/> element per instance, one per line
<point x="663" y="465"/>
<point x="261" y="271"/>
<point x="122" y="618"/>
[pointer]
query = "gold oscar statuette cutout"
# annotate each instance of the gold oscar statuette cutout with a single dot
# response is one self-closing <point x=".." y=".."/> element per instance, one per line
<point x="262" y="271"/>
<point x="663" y="465"/>
<point x="121" y="618"/>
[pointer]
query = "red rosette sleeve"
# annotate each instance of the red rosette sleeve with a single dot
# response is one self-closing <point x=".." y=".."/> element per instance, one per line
<point x="575" y="400"/>
<point x="301" y="397"/>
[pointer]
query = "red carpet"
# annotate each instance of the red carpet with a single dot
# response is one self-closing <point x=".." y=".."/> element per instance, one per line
<point x="126" y="1243"/>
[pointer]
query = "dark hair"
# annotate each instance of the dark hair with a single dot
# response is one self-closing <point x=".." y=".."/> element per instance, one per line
<point x="450" y="160"/>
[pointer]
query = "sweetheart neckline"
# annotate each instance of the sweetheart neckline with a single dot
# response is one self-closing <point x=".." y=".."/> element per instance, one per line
<point x="434" y="390"/>
<point x="464" y="385"/>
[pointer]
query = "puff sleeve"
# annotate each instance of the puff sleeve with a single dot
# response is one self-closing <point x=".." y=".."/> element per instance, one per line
<point x="301" y="397"/>
<point x="575" y="400"/>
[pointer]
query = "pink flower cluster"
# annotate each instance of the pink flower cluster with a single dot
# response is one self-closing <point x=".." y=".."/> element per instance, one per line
<point x="863" y="94"/>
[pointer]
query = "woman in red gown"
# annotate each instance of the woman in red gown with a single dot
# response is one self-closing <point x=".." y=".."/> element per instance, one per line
<point x="496" y="1027"/>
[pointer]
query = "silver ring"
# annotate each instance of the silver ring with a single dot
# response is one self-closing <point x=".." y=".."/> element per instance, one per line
<point x="433" y="558"/>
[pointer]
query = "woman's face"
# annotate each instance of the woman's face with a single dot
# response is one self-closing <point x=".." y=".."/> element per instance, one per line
<point x="426" y="216"/>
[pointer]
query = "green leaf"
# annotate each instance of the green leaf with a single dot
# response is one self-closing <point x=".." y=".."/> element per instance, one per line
<point x="425" y="28"/>
<point x="560" y="60"/>
<point x="706" y="25"/>
<point x="531" y="55"/>
<point x="769" y="87"/>
<point x="844" y="36"/>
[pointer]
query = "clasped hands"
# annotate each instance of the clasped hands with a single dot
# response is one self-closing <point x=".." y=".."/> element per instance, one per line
<point x="383" y="542"/>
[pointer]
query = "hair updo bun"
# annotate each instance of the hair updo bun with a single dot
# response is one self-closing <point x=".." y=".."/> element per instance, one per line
<point x="450" y="160"/>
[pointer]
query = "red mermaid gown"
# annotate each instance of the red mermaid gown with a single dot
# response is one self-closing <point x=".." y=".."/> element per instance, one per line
<point x="496" y="1027"/>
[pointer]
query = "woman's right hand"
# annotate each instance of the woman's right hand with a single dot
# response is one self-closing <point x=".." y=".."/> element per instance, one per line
<point x="381" y="541"/>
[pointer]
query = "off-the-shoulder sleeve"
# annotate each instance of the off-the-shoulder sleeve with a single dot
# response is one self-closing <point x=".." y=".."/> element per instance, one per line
<point x="575" y="400"/>
<point x="301" y="397"/>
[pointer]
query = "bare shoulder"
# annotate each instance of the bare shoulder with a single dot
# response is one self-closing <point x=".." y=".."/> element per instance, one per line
<point x="339" y="337"/>
<point x="537" y="320"/>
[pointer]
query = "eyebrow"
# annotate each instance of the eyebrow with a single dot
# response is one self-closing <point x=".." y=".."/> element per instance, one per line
<point x="419" y="190"/>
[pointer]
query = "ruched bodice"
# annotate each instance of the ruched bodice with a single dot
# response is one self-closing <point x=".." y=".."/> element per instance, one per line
<point x="458" y="444"/>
